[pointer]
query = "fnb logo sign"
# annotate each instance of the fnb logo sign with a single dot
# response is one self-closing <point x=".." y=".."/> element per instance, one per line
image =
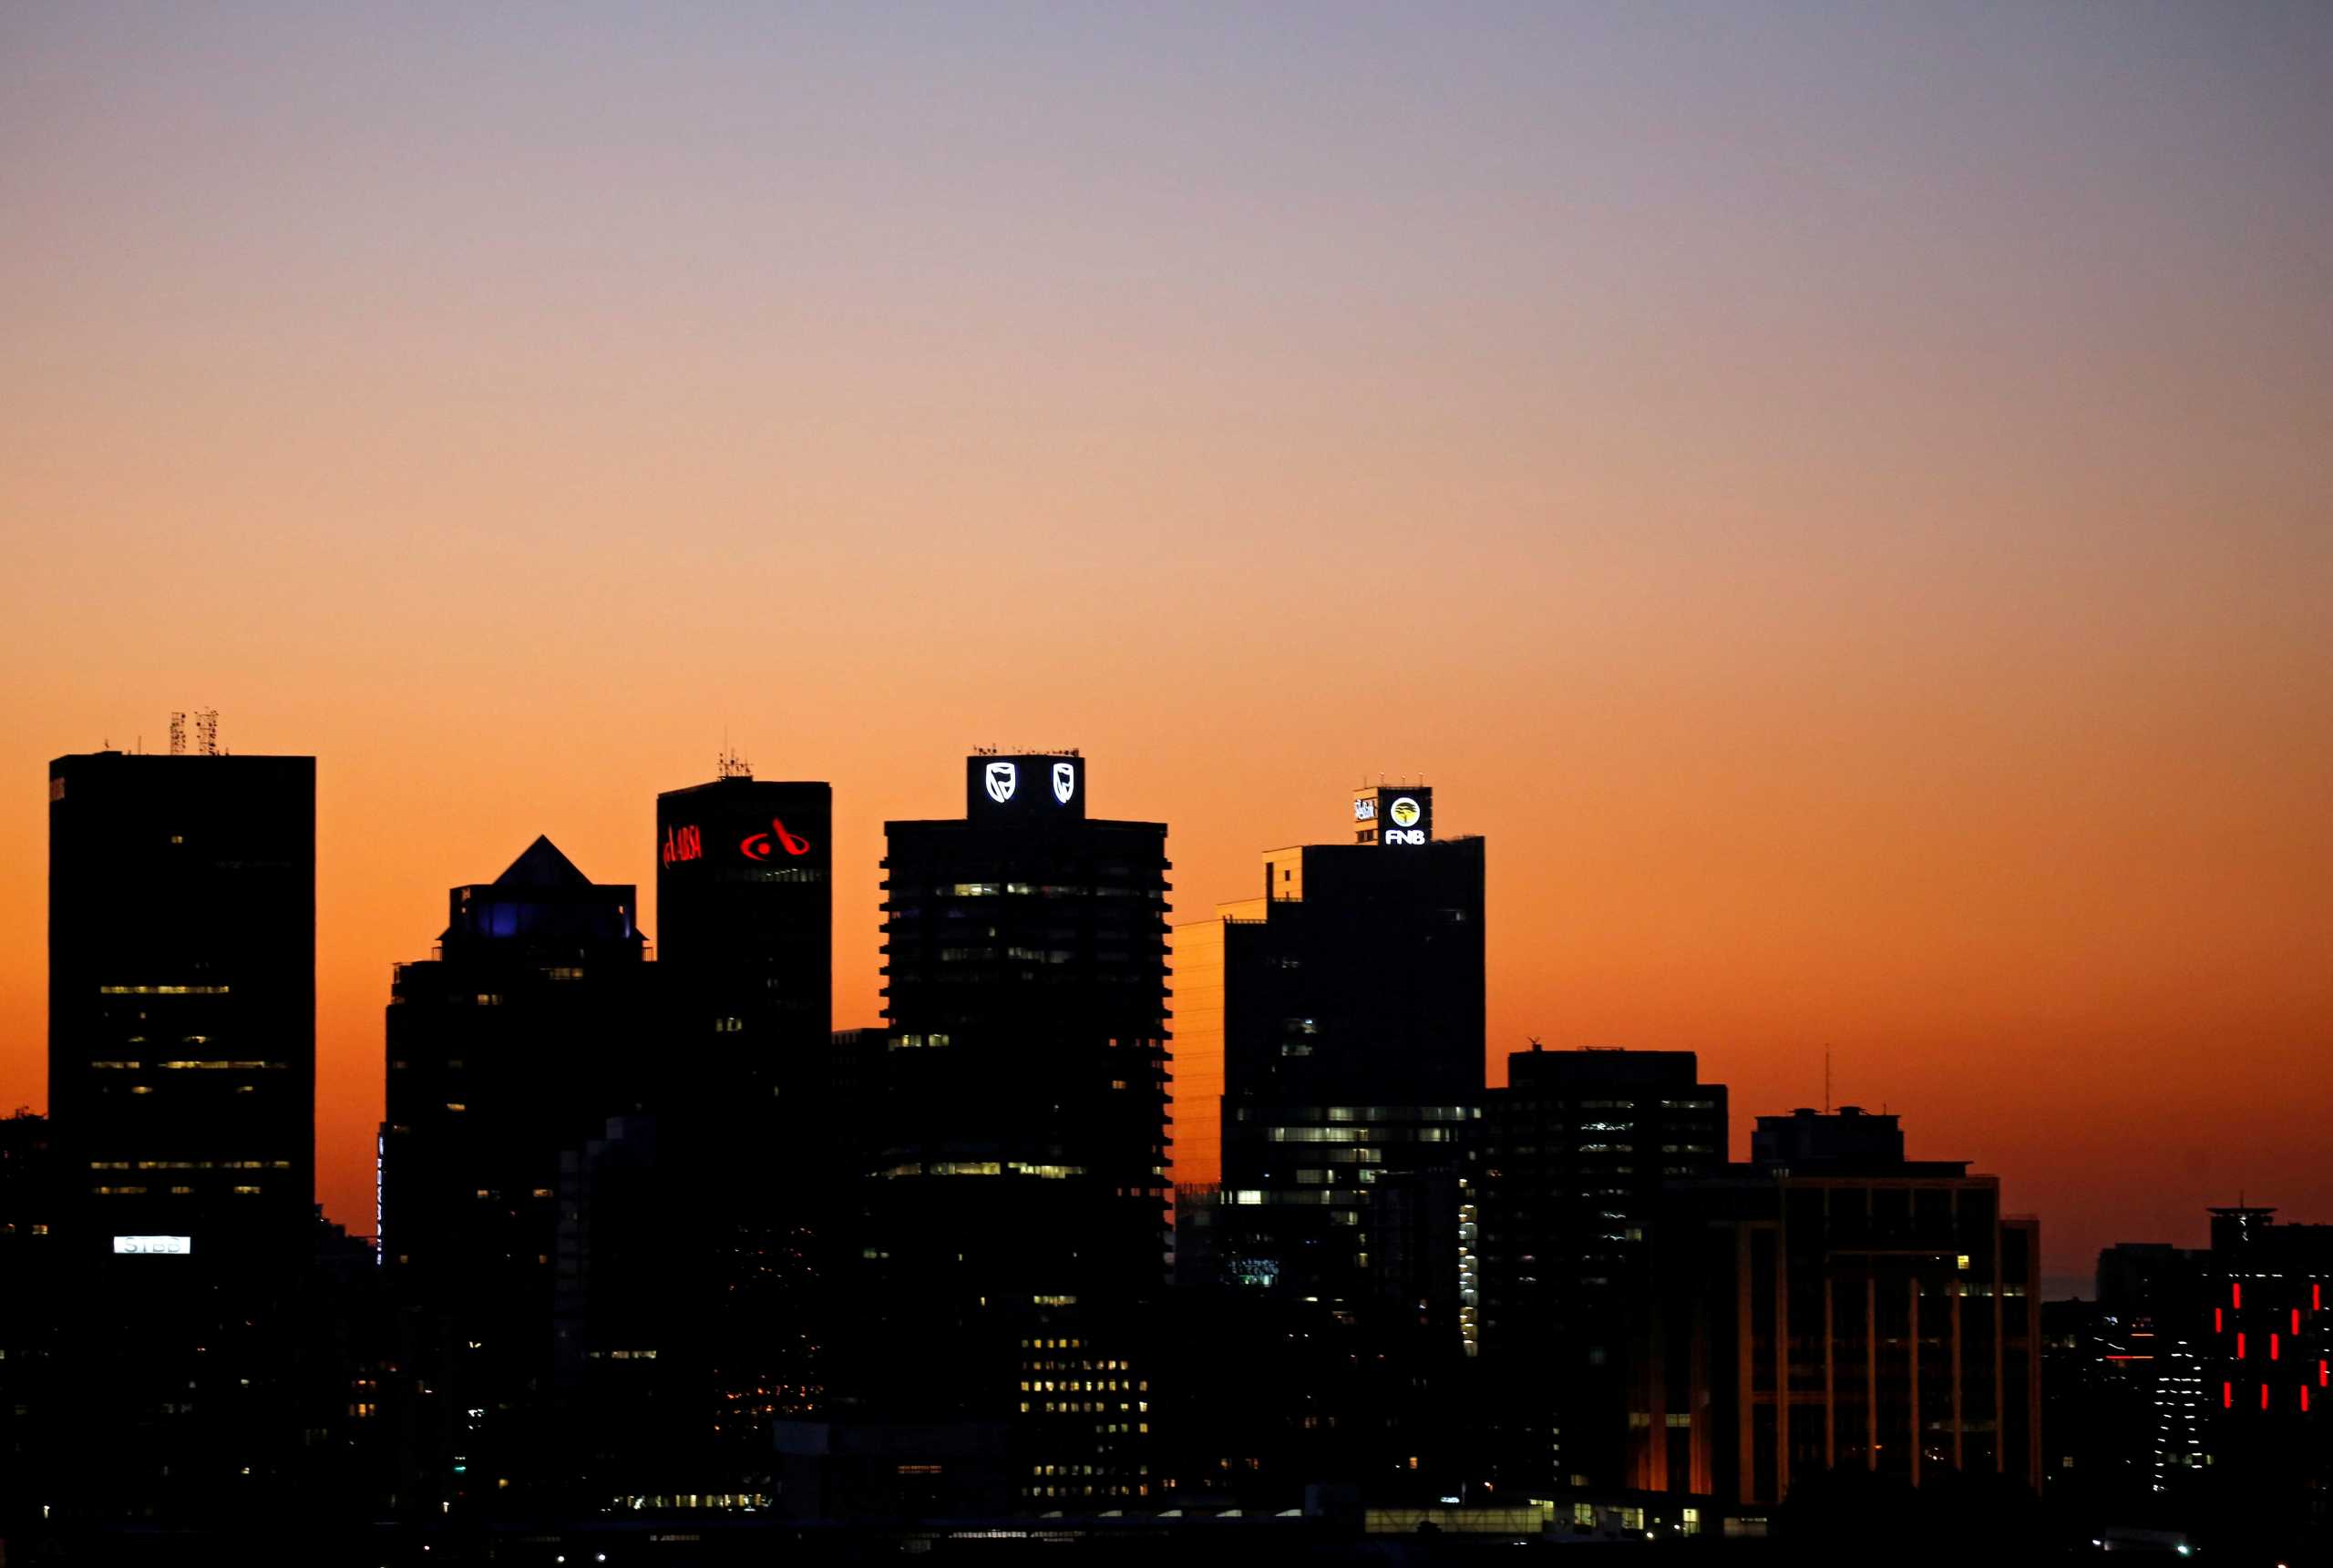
<point x="683" y="844"/>
<point x="762" y="845"/>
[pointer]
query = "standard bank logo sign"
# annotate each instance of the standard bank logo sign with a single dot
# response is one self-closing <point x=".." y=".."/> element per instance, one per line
<point x="1002" y="779"/>
<point x="1064" y="781"/>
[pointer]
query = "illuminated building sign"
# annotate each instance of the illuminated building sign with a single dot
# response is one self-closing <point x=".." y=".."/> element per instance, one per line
<point x="1031" y="786"/>
<point x="167" y="1245"/>
<point x="1394" y="815"/>
<point x="761" y="846"/>
<point x="683" y="844"/>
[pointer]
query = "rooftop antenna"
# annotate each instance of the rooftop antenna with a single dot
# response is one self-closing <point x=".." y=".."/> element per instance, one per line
<point x="206" y="732"/>
<point x="1827" y="1081"/>
<point x="178" y="734"/>
<point x="1535" y="1042"/>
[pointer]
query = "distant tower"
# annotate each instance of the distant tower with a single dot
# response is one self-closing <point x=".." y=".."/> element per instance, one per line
<point x="206" y="733"/>
<point x="178" y="734"/>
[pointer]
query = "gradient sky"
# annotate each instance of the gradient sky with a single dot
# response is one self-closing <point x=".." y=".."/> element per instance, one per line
<point x="1841" y="496"/>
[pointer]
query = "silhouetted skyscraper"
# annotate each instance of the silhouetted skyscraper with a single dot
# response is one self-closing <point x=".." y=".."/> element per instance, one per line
<point x="530" y="1029"/>
<point x="1341" y="1012"/>
<point x="1017" y="1193"/>
<point x="1575" y="1151"/>
<point x="745" y="910"/>
<point x="181" y="987"/>
<point x="1830" y="1304"/>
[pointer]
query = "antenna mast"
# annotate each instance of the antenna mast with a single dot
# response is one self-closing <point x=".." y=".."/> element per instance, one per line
<point x="206" y="733"/>
<point x="178" y="734"/>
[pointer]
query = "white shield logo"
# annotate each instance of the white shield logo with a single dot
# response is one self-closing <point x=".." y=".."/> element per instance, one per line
<point x="1064" y="781"/>
<point x="1001" y="779"/>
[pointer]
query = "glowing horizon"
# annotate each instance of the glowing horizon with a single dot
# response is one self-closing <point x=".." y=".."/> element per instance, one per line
<point x="1837" y="499"/>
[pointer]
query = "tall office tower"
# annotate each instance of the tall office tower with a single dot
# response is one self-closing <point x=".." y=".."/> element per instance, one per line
<point x="745" y="905"/>
<point x="1832" y="1304"/>
<point x="745" y="912"/>
<point x="1341" y="1012"/>
<point x="1575" y="1151"/>
<point x="1017" y="1204"/>
<point x="530" y="1029"/>
<point x="182" y="1098"/>
<point x="2267" y="1375"/>
<point x="181" y="1000"/>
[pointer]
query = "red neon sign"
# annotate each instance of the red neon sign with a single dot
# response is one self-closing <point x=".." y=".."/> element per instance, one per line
<point x="683" y="844"/>
<point x="759" y="846"/>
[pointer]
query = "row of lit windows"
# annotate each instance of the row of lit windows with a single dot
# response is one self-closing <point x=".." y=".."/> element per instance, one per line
<point x="981" y="1168"/>
<point x="191" y="1166"/>
<point x="1394" y="1113"/>
<point x="179" y="1066"/>
<point x="136" y="1192"/>
<point x="162" y="991"/>
<point x="1042" y="890"/>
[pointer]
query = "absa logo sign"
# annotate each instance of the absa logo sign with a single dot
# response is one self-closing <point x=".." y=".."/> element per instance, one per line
<point x="762" y="845"/>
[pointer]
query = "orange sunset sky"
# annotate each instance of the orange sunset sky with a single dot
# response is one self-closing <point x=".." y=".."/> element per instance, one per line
<point x="1841" y="497"/>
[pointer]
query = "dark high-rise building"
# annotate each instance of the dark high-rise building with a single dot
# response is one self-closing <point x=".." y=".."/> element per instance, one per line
<point x="181" y="1001"/>
<point x="1575" y="1153"/>
<point x="532" y="1026"/>
<point x="1017" y="1192"/>
<point x="1832" y="1306"/>
<point x="745" y="912"/>
<point x="2192" y="1396"/>
<point x="745" y="890"/>
<point x="1332" y="1026"/>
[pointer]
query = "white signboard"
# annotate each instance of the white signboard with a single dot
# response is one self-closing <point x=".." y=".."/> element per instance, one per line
<point x="179" y="1245"/>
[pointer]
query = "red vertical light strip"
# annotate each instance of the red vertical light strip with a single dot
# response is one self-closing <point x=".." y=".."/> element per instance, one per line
<point x="2273" y="1338"/>
<point x="2296" y="1320"/>
<point x="2317" y="1298"/>
<point x="2323" y="1373"/>
<point x="2240" y="1344"/>
<point x="2235" y="1293"/>
<point x="2217" y="1326"/>
<point x="2264" y="1396"/>
<point x="2304" y="1398"/>
<point x="2227" y="1396"/>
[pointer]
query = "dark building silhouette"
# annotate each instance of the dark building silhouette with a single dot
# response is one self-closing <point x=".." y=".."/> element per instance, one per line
<point x="1576" y="1151"/>
<point x="746" y="916"/>
<point x="1834" y="1306"/>
<point x="1014" y="1203"/>
<point x="2190" y="1396"/>
<point x="175" y="1368"/>
<point x="1332" y="1026"/>
<point x="33" y="1385"/>
<point x="181" y="1001"/>
<point x="513" y="1046"/>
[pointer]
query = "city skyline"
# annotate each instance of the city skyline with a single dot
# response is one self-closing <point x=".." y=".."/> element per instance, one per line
<point x="1837" y="495"/>
<point x="1764" y="1083"/>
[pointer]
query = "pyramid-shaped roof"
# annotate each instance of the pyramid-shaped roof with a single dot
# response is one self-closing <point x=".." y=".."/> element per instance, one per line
<point x="543" y="865"/>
